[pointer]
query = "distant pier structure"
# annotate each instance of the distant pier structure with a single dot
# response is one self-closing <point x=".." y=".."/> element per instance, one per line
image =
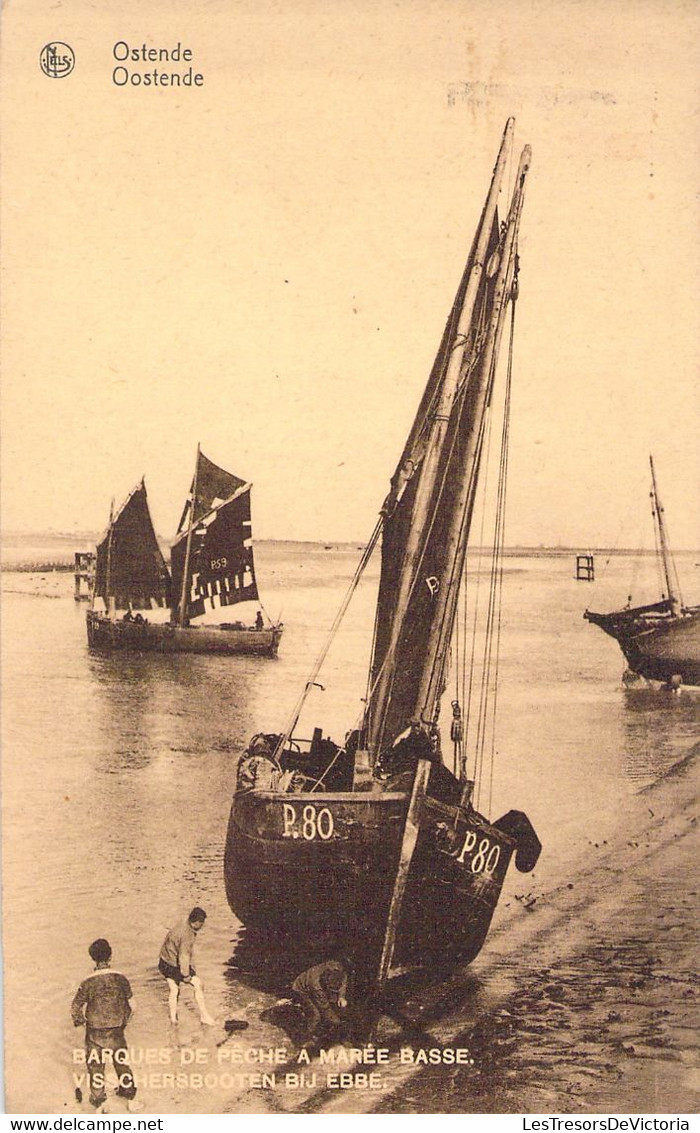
<point x="84" y="575"/>
<point x="585" y="568"/>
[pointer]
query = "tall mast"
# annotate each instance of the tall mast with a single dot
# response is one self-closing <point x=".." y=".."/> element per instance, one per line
<point x="430" y="688"/>
<point x="440" y="418"/>
<point x="109" y="598"/>
<point x="188" y="549"/>
<point x="672" y="591"/>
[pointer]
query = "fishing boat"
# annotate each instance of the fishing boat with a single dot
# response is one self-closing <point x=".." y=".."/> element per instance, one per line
<point x="660" y="641"/>
<point x="212" y="568"/>
<point x="375" y="841"/>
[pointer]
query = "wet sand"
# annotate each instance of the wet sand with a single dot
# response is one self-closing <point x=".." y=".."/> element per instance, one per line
<point x="48" y="583"/>
<point x="582" y="998"/>
<point x="585" y="1000"/>
<point x="603" y="1013"/>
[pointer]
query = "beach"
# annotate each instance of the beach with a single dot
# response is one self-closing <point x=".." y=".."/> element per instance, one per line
<point x="116" y="792"/>
<point x="584" y="1001"/>
<point x="602" y="1013"/>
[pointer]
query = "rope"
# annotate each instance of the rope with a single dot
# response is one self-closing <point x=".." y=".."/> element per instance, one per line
<point x="311" y="681"/>
<point x="667" y="561"/>
<point x="319" y="781"/>
<point x="472" y="667"/>
<point x="463" y="689"/>
<point x="634" y="578"/>
<point x="623" y="525"/>
<point x="485" y="675"/>
<point x="490" y="663"/>
<point x="266" y="613"/>
<point x="457" y="751"/>
<point x="501" y="546"/>
<point x="660" y="580"/>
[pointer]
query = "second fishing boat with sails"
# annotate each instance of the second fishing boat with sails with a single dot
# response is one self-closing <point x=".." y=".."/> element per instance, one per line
<point x="661" y="640"/>
<point x="374" y="840"/>
<point x="212" y="569"/>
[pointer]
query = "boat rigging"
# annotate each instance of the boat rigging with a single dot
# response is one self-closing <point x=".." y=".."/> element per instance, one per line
<point x="661" y="640"/>
<point x="212" y="569"/>
<point x="375" y="839"/>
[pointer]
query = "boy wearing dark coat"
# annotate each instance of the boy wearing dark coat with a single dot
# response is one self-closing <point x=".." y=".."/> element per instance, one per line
<point x="102" y="1005"/>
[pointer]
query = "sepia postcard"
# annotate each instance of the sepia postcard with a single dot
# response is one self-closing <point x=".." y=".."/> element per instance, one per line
<point x="350" y="558"/>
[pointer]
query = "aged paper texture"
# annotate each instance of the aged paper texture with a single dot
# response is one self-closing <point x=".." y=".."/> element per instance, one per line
<point x="242" y="226"/>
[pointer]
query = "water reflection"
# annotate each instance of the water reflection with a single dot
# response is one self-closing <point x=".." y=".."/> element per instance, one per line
<point x="658" y="723"/>
<point x="119" y="770"/>
<point x="187" y="704"/>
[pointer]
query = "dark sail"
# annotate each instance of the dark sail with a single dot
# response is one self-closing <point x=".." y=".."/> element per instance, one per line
<point x="427" y="515"/>
<point x="435" y="568"/>
<point x="130" y="566"/>
<point x="213" y="486"/>
<point x="221" y="570"/>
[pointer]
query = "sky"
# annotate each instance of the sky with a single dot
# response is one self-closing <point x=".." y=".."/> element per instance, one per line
<point x="263" y="264"/>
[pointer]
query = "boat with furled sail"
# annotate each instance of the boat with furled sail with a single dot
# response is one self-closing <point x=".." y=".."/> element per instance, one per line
<point x="375" y="840"/>
<point x="661" y="640"/>
<point x="212" y="568"/>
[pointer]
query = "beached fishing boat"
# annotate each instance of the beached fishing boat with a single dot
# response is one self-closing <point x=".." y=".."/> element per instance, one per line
<point x="660" y="641"/>
<point x="212" y="569"/>
<point x="374" y="840"/>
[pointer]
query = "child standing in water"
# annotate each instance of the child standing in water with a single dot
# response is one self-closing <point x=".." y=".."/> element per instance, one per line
<point x="176" y="963"/>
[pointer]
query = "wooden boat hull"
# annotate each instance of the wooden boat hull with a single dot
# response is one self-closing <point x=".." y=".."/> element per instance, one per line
<point x="660" y="648"/>
<point x="301" y="865"/>
<point x="400" y="880"/>
<point x="146" y="637"/>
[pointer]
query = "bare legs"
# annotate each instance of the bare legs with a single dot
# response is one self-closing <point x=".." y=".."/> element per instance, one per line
<point x="199" y="1000"/>
<point x="174" y="995"/>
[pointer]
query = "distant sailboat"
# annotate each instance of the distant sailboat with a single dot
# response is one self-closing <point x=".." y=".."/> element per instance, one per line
<point x="212" y="568"/>
<point x="130" y="571"/>
<point x="376" y="840"/>
<point x="660" y="641"/>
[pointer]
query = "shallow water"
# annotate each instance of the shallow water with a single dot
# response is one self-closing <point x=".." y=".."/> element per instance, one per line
<point x="118" y="775"/>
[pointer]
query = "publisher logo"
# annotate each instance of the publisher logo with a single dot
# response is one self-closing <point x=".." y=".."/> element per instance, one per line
<point x="57" y="60"/>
